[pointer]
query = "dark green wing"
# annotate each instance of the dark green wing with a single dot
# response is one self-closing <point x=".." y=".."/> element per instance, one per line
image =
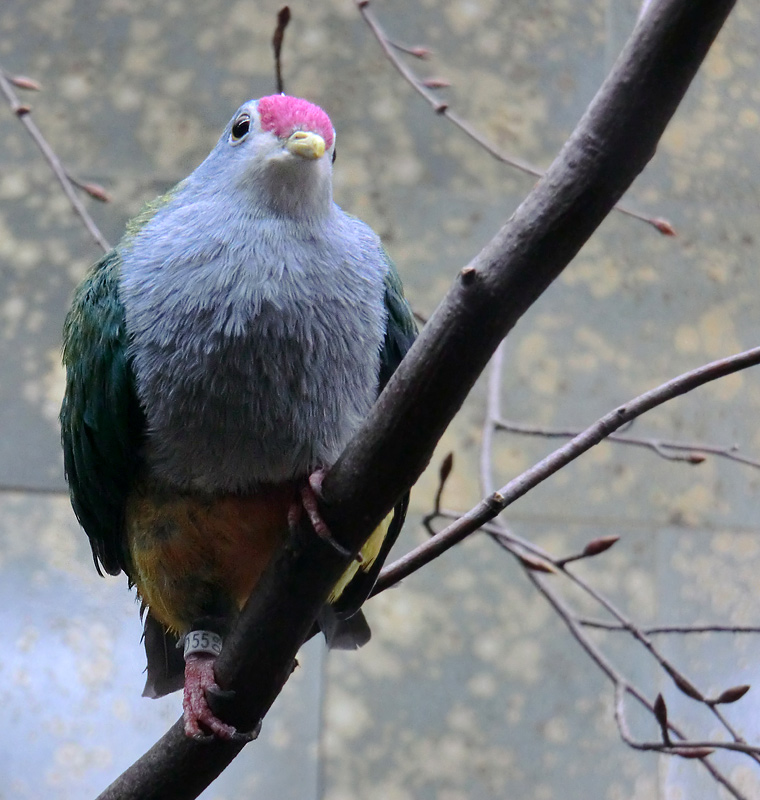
<point x="400" y="333"/>
<point x="101" y="420"/>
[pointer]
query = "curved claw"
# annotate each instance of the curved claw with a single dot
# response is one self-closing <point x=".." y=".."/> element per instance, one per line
<point x="218" y="700"/>
<point x="240" y="736"/>
<point x="310" y="493"/>
<point x="217" y="693"/>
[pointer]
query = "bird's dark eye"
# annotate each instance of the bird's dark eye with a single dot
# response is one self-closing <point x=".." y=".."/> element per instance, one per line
<point x="335" y="154"/>
<point x="240" y="127"/>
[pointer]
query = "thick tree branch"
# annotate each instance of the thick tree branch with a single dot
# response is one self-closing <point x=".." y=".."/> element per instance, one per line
<point x="609" y="148"/>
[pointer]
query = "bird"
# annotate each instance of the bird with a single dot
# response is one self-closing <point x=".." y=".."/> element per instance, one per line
<point x="218" y="359"/>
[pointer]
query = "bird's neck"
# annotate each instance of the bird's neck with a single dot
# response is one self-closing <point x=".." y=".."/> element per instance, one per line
<point x="303" y="194"/>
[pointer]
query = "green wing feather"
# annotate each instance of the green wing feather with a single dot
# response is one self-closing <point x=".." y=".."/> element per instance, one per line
<point x="101" y="419"/>
<point x="401" y="330"/>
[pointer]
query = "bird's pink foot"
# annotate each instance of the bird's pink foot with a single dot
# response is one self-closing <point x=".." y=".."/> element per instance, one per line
<point x="200" y="720"/>
<point x="310" y="492"/>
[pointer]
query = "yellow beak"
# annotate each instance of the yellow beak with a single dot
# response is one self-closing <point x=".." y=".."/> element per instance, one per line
<point x="306" y="144"/>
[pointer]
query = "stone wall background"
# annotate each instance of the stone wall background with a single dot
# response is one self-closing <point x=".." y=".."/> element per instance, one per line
<point x="471" y="687"/>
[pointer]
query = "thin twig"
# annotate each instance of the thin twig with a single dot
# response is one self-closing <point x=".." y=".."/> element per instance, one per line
<point x="681" y="681"/>
<point x="496" y="502"/>
<point x="507" y="540"/>
<point x="493" y="412"/>
<point x="283" y="18"/>
<point x="519" y="547"/>
<point x="668" y="629"/>
<point x="417" y="51"/>
<point x="546" y="563"/>
<point x="606" y="666"/>
<point x="443" y="109"/>
<point x="623" y="686"/>
<point x="593" y="548"/>
<point x="24" y="115"/>
<point x="693" y="451"/>
<point x="443" y="475"/>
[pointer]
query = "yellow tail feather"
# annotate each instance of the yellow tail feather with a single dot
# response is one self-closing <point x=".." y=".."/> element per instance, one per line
<point x="369" y="553"/>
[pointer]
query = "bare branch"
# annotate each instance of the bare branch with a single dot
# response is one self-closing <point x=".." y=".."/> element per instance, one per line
<point x="443" y="475"/>
<point x="690" y="452"/>
<point x="593" y="548"/>
<point x="424" y="86"/>
<point x="416" y="51"/>
<point x="95" y="190"/>
<point x="492" y="505"/>
<point x="534" y="559"/>
<point x="283" y="18"/>
<point x="687" y="687"/>
<point x="23" y="113"/>
<point x="669" y="629"/>
<point x="616" y="134"/>
<point x="623" y="687"/>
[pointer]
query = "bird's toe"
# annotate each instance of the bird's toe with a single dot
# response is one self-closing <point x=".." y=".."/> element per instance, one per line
<point x="200" y="721"/>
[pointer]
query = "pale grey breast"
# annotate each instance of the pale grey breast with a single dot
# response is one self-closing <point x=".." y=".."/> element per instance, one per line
<point x="256" y="352"/>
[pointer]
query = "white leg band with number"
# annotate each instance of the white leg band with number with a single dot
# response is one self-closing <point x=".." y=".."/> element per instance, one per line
<point x="203" y="642"/>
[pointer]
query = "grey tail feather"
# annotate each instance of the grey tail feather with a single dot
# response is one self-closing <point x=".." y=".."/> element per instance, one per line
<point x="343" y="633"/>
<point x="166" y="664"/>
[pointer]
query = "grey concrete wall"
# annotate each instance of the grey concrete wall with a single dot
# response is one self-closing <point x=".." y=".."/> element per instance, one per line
<point x="471" y="687"/>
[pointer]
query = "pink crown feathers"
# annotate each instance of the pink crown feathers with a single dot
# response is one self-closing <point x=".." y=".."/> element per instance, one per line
<point x="282" y="115"/>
